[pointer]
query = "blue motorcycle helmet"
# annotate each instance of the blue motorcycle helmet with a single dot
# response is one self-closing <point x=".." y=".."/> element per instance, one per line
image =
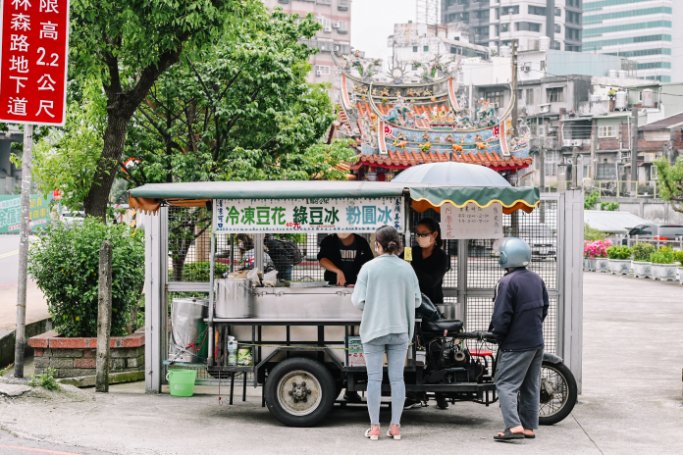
<point x="514" y="252"/>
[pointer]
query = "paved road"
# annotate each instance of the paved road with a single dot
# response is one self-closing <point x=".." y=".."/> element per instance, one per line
<point x="12" y="445"/>
<point x="36" y="308"/>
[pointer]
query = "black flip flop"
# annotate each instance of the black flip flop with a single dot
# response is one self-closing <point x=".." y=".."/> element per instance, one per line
<point x="508" y="436"/>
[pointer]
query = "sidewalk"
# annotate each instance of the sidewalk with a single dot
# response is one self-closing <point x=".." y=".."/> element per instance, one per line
<point x="631" y="402"/>
<point x="36" y="307"/>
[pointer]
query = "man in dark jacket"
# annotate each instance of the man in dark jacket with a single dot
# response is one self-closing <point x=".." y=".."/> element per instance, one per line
<point x="521" y="305"/>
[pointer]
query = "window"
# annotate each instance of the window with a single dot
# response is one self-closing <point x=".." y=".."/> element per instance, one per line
<point x="550" y="169"/>
<point x="505" y="10"/>
<point x="572" y="34"/>
<point x="558" y="28"/>
<point x="606" y="171"/>
<point x="556" y="45"/>
<point x="555" y="94"/>
<point x="504" y="28"/>
<point x="322" y="70"/>
<point x="527" y="27"/>
<point x="573" y="18"/>
<point x="529" y="98"/>
<point x="537" y="10"/>
<point x="558" y="12"/>
<point x="495" y="97"/>
<point x="607" y="131"/>
<point x="425" y="48"/>
<point x="414" y="48"/>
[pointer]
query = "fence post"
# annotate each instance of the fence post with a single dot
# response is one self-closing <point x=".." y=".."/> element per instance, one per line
<point x="104" y="290"/>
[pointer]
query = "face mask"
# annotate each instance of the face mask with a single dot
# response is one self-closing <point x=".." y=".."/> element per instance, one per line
<point x="344" y="235"/>
<point x="425" y="242"/>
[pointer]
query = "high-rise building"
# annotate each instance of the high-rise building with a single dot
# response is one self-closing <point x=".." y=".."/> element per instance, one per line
<point x="640" y="30"/>
<point x="334" y="37"/>
<point x="534" y="24"/>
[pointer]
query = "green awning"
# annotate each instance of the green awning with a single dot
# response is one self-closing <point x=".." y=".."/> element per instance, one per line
<point x="266" y="190"/>
<point x="511" y="198"/>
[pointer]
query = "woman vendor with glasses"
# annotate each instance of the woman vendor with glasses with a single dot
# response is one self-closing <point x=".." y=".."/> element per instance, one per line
<point x="430" y="262"/>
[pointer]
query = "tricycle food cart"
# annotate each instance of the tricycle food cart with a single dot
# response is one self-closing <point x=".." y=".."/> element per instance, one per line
<point x="302" y="337"/>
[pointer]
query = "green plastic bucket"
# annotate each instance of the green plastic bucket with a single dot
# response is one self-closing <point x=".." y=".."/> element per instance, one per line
<point x="181" y="382"/>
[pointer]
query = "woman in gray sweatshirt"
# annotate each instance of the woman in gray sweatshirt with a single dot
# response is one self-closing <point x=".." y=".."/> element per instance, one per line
<point x="387" y="291"/>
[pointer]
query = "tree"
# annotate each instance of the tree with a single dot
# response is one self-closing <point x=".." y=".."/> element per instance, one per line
<point x="129" y="44"/>
<point x="670" y="178"/>
<point x="239" y="109"/>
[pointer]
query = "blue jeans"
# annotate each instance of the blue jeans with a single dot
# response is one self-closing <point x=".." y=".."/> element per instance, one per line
<point x="518" y="382"/>
<point x="396" y="347"/>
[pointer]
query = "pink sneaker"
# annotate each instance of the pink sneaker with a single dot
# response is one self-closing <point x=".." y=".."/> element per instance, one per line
<point x="373" y="433"/>
<point x="394" y="432"/>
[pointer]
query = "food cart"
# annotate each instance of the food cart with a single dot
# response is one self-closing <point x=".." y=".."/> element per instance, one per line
<point x="302" y="336"/>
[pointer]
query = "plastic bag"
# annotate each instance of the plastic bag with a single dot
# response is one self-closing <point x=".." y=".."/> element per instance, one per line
<point x="270" y="278"/>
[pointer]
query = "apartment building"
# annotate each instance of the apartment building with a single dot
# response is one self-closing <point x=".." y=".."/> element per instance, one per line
<point x="641" y="30"/>
<point x="497" y="23"/>
<point x="335" y="37"/>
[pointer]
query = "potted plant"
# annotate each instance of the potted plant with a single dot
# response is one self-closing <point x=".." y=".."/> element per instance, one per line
<point x="663" y="267"/>
<point x="596" y="252"/>
<point x="64" y="262"/>
<point x="619" y="259"/>
<point x="642" y="267"/>
<point x="678" y="257"/>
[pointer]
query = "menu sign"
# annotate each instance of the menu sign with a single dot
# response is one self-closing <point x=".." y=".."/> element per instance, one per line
<point x="472" y="222"/>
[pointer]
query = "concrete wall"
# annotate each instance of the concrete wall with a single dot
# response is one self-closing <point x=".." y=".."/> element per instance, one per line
<point x="657" y="211"/>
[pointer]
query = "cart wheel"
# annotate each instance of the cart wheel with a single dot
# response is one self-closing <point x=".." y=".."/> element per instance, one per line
<point x="300" y="392"/>
<point x="558" y="393"/>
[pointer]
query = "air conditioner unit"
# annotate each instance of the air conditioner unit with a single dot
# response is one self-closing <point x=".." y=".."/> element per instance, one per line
<point x="526" y="67"/>
<point x="336" y="24"/>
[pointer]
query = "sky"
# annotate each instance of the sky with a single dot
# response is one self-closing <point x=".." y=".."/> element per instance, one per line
<point x="372" y="21"/>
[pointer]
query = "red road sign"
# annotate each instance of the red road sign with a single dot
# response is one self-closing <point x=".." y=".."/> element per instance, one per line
<point x="33" y="61"/>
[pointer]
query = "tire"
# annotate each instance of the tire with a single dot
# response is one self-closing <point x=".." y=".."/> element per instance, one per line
<point x="558" y="393"/>
<point x="300" y="392"/>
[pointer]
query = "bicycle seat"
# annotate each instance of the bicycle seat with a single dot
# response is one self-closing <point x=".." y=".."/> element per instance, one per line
<point x="451" y="325"/>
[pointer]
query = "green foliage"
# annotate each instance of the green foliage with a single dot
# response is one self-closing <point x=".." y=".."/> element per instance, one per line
<point x="64" y="262"/>
<point x="664" y="255"/>
<point x="66" y="159"/>
<point x="591" y="199"/>
<point x="671" y="182"/>
<point x="199" y="271"/>
<point x="619" y="252"/>
<point x="642" y="251"/>
<point x="678" y="256"/>
<point x="45" y="380"/>
<point x="592" y="234"/>
<point x="609" y="206"/>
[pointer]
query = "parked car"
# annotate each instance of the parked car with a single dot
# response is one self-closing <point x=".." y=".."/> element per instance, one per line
<point x="70" y="218"/>
<point x="541" y="238"/>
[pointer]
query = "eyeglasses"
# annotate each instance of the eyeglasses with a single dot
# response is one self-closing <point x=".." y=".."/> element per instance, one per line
<point x="423" y="234"/>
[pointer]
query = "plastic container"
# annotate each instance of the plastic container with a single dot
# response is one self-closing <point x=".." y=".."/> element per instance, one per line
<point x="232" y="351"/>
<point x="181" y="382"/>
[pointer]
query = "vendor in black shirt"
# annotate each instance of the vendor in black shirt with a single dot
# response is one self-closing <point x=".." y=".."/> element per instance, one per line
<point x="342" y="255"/>
<point x="429" y="260"/>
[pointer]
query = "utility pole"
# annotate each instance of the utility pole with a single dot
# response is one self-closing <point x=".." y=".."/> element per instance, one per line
<point x="26" y="171"/>
<point x="514" y="88"/>
<point x="634" y="150"/>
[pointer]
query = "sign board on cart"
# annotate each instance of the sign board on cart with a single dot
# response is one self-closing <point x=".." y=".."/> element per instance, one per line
<point x="472" y="222"/>
<point x="33" y="61"/>
<point x="307" y="215"/>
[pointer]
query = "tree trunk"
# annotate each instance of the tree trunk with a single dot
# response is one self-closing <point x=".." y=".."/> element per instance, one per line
<point x="95" y="203"/>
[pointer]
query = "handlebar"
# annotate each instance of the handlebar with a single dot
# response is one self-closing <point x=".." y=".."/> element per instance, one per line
<point x="478" y="335"/>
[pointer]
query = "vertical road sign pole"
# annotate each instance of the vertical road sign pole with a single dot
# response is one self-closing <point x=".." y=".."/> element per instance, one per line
<point x="26" y="170"/>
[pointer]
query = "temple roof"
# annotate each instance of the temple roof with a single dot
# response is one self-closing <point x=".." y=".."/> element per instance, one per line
<point x="406" y="159"/>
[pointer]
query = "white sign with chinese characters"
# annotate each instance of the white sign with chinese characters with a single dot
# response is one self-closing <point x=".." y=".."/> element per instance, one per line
<point x="471" y="222"/>
<point x="307" y="215"/>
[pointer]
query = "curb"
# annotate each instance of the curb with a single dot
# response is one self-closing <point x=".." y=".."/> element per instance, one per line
<point x="7" y="340"/>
